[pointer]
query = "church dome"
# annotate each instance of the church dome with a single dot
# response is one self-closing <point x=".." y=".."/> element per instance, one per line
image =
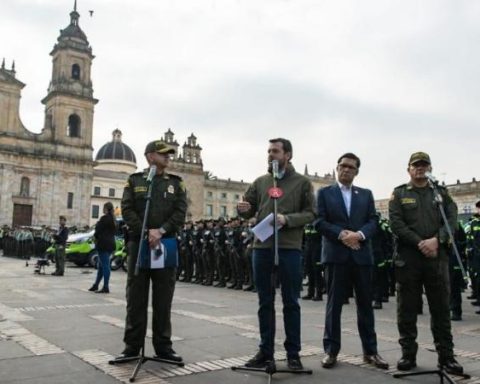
<point x="116" y="150"/>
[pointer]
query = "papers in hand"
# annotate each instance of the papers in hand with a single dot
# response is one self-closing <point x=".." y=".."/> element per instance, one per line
<point x="264" y="229"/>
<point x="157" y="257"/>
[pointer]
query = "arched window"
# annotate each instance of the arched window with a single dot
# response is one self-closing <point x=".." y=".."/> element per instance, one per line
<point x="76" y="72"/>
<point x="25" y="187"/>
<point x="74" y="126"/>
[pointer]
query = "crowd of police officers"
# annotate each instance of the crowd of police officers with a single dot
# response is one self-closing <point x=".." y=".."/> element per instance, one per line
<point x="219" y="253"/>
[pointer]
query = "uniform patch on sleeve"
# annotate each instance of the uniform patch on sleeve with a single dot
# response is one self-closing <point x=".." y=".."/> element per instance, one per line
<point x="140" y="189"/>
<point x="182" y="186"/>
<point x="408" y="200"/>
<point x="171" y="189"/>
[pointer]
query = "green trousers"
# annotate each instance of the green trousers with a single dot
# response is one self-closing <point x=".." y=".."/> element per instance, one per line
<point x="59" y="259"/>
<point x="418" y="274"/>
<point x="137" y="291"/>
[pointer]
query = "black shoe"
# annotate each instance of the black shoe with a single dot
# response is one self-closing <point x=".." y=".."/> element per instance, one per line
<point x="220" y="284"/>
<point x="294" y="363"/>
<point x="260" y="360"/>
<point x="375" y="360"/>
<point x="329" y="361"/>
<point x="238" y="287"/>
<point x="317" y="298"/>
<point x="385" y="299"/>
<point x="249" y="288"/>
<point x="127" y="353"/>
<point x="456" y="317"/>
<point x="93" y="288"/>
<point x="168" y="354"/>
<point x="232" y="286"/>
<point x="476" y="303"/>
<point x="406" y="364"/>
<point x="377" y="305"/>
<point x="103" y="290"/>
<point x="472" y="297"/>
<point x="451" y="366"/>
<point x="307" y="297"/>
<point x="477" y="312"/>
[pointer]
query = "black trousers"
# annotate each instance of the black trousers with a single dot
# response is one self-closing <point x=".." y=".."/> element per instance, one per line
<point x="338" y="279"/>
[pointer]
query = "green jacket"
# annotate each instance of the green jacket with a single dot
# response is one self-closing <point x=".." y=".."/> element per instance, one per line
<point x="168" y="205"/>
<point x="296" y="204"/>
<point x="415" y="216"/>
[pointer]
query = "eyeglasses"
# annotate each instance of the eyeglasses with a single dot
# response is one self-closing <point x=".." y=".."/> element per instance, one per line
<point x="347" y="166"/>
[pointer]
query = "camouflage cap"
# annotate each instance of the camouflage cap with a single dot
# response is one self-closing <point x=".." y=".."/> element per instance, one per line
<point x="159" y="147"/>
<point x="419" y="156"/>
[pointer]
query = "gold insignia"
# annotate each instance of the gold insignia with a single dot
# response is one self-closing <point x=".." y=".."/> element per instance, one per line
<point x="170" y="189"/>
<point x="408" y="200"/>
<point x="140" y="189"/>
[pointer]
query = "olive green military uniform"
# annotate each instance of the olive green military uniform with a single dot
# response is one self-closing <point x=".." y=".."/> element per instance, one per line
<point x="415" y="216"/>
<point x="168" y="207"/>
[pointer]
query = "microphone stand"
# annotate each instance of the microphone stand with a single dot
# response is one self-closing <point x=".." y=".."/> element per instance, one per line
<point x="142" y="359"/>
<point x="271" y="368"/>
<point x="441" y="372"/>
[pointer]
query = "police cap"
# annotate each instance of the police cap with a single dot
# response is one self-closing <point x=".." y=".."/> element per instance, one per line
<point x="159" y="147"/>
<point x="419" y="156"/>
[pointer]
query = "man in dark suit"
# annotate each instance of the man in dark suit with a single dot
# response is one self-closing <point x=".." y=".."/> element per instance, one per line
<point x="347" y="221"/>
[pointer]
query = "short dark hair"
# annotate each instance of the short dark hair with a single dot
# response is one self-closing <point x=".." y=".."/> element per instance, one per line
<point x="62" y="218"/>
<point x="287" y="145"/>
<point x="351" y="156"/>
<point x="109" y="207"/>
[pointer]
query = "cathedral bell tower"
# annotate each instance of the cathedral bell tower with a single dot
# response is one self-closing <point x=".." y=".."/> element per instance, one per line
<point x="69" y="104"/>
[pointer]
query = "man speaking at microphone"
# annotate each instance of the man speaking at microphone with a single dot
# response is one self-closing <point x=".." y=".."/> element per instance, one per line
<point x="168" y="206"/>
<point x="422" y="262"/>
<point x="295" y="210"/>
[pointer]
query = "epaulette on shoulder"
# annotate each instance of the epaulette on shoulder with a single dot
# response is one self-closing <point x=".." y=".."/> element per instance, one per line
<point x="173" y="176"/>
<point x="401" y="186"/>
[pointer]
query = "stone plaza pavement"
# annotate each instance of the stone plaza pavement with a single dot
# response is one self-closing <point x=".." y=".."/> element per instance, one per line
<point x="52" y="330"/>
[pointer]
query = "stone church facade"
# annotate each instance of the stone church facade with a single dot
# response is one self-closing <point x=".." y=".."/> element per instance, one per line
<point x="49" y="174"/>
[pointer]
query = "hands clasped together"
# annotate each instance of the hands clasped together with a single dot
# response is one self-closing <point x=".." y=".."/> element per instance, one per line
<point x="351" y="239"/>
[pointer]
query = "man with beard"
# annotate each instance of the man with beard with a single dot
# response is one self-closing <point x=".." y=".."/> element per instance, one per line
<point x="295" y="209"/>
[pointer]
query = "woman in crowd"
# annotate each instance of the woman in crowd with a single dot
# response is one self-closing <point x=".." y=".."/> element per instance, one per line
<point x="105" y="245"/>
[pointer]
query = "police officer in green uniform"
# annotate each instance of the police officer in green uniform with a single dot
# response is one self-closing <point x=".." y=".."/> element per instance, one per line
<point x="422" y="262"/>
<point x="168" y="206"/>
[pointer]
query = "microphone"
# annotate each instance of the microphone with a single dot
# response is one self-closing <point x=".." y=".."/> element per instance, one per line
<point x="431" y="178"/>
<point x="275" y="169"/>
<point x="151" y="173"/>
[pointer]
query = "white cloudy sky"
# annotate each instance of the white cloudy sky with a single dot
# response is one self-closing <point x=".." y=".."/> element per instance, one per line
<point x="376" y="77"/>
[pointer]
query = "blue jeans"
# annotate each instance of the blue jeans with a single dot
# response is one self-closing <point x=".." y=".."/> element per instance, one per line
<point x="103" y="270"/>
<point x="290" y="276"/>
